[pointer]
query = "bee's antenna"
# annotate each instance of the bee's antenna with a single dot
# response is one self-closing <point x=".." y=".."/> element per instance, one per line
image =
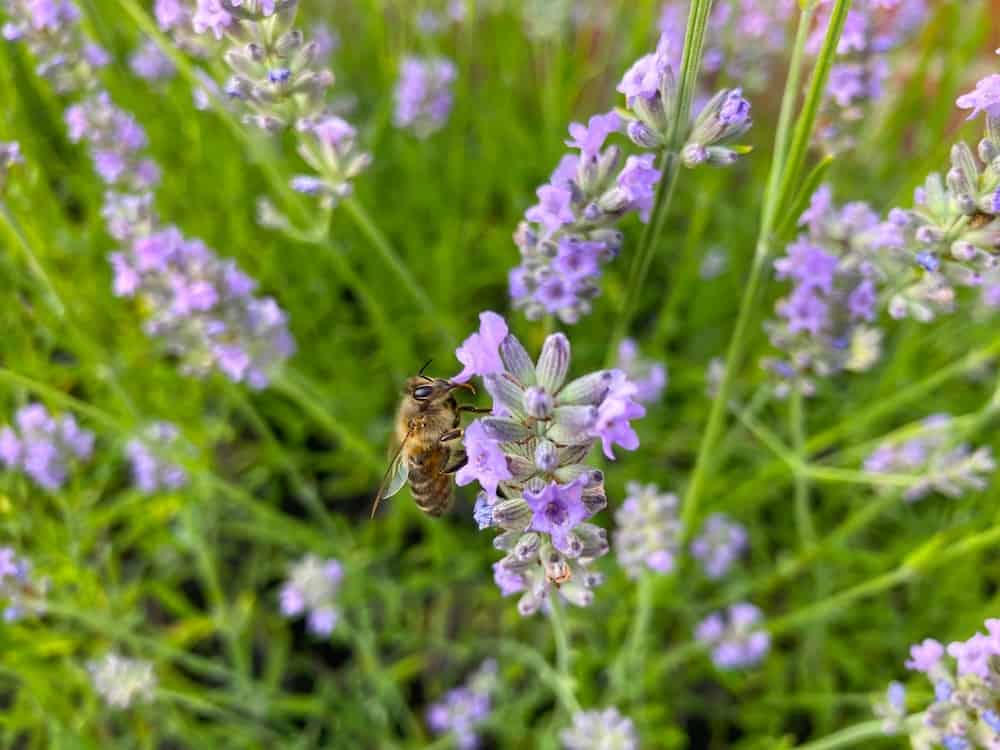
<point x="467" y="386"/>
<point x="426" y="365"/>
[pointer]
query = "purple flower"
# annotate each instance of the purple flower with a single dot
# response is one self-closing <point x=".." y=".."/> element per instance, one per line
<point x="809" y="265"/>
<point x="463" y="709"/>
<point x="736" y="638"/>
<point x="720" y="544"/>
<point x="151" y="473"/>
<point x="210" y="15"/>
<point x="423" y="94"/>
<point x="648" y="376"/>
<point x="553" y="209"/>
<point x="614" y="414"/>
<point x="486" y="461"/>
<point x="480" y="352"/>
<point x="150" y="63"/>
<point x="556" y="510"/>
<point x="311" y="589"/>
<point x="925" y="655"/>
<point x="648" y="533"/>
<point x="974" y="655"/>
<point x="44" y="447"/>
<point x="984" y="98"/>
<point x="590" y="138"/>
<point x="639" y="178"/>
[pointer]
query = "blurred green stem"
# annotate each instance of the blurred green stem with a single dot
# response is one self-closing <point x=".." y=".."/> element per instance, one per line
<point x="803" y="513"/>
<point x="669" y="164"/>
<point x="774" y="198"/>
<point x="864" y="732"/>
<point x="626" y="670"/>
<point x="52" y="296"/>
<point x="292" y="387"/>
<point x="564" y="665"/>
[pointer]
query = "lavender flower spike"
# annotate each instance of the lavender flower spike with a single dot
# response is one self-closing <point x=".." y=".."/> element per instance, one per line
<point x="984" y="98"/>
<point x="936" y="460"/>
<point x="150" y="473"/>
<point x="649" y="531"/>
<point x="963" y="712"/>
<point x="463" y="709"/>
<point x="310" y="590"/>
<point x="44" y="447"/>
<point x="599" y="730"/>
<point x="737" y="638"/>
<point x="536" y="487"/>
<point x="719" y="545"/>
<point x="423" y="94"/>
<point x="569" y="234"/>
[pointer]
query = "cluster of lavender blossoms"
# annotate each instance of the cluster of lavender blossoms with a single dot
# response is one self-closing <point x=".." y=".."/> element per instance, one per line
<point x="873" y="30"/>
<point x="423" y="94"/>
<point x="737" y="637"/>
<point x="648" y="375"/>
<point x="569" y="234"/>
<point x="649" y="530"/>
<point x="121" y="681"/>
<point x="44" y="447"/>
<point x="50" y="30"/>
<point x="200" y="306"/>
<point x="280" y="81"/>
<point x="650" y="90"/>
<point x="23" y="593"/>
<point x="721" y="543"/>
<point x="150" y="472"/>
<point x="606" y="729"/>
<point x="203" y="308"/>
<point x="935" y="459"/>
<point x="951" y="236"/>
<point x="964" y="713"/>
<point x="463" y="709"/>
<point x="150" y="63"/>
<point x="528" y="458"/>
<point x="311" y="590"/>
<point x="824" y="324"/>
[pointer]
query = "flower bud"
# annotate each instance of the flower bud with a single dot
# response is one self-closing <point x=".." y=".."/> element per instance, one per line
<point x="512" y="514"/>
<point x="643" y="136"/>
<point x="538" y="402"/>
<point x="546" y="456"/>
<point x="527" y="546"/>
<point x="553" y="362"/>
<point x="504" y="430"/>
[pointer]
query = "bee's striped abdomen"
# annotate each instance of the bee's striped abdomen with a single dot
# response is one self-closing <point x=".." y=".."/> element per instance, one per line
<point x="431" y="487"/>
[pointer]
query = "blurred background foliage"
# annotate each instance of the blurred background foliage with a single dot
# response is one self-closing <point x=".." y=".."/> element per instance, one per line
<point x="189" y="580"/>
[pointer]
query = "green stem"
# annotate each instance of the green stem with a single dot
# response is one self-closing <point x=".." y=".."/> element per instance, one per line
<point x="868" y="730"/>
<point x="52" y="296"/>
<point x="773" y="198"/>
<point x="291" y="386"/>
<point x="803" y="514"/>
<point x="669" y="162"/>
<point x="563" y="656"/>
<point x="626" y="669"/>
<point x="378" y="240"/>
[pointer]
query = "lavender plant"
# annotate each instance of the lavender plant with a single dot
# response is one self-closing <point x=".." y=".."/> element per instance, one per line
<point x="528" y="458"/>
<point x="423" y="94"/>
<point x="463" y="709"/>
<point x="121" y="681"/>
<point x="310" y="590"/>
<point x="935" y="459"/>
<point x="594" y="730"/>
<point x="22" y="592"/>
<point x="736" y="637"/>
<point x="648" y="531"/>
<point x="44" y="447"/>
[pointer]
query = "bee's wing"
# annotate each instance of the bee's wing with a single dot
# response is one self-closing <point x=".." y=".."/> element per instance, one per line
<point x="395" y="476"/>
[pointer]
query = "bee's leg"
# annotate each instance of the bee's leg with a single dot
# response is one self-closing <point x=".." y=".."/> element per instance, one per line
<point x="473" y="409"/>
<point x="451" y="435"/>
<point x="458" y="460"/>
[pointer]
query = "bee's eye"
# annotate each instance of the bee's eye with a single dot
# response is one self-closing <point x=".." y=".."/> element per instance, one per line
<point x="423" y="392"/>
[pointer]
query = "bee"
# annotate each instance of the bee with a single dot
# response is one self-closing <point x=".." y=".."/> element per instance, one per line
<point x="429" y="450"/>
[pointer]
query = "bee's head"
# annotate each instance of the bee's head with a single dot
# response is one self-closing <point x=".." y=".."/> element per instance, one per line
<point x="424" y="388"/>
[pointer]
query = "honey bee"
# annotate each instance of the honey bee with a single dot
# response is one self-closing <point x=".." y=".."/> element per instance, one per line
<point x="429" y="452"/>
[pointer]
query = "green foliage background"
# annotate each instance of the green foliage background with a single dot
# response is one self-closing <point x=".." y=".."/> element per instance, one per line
<point x="189" y="580"/>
